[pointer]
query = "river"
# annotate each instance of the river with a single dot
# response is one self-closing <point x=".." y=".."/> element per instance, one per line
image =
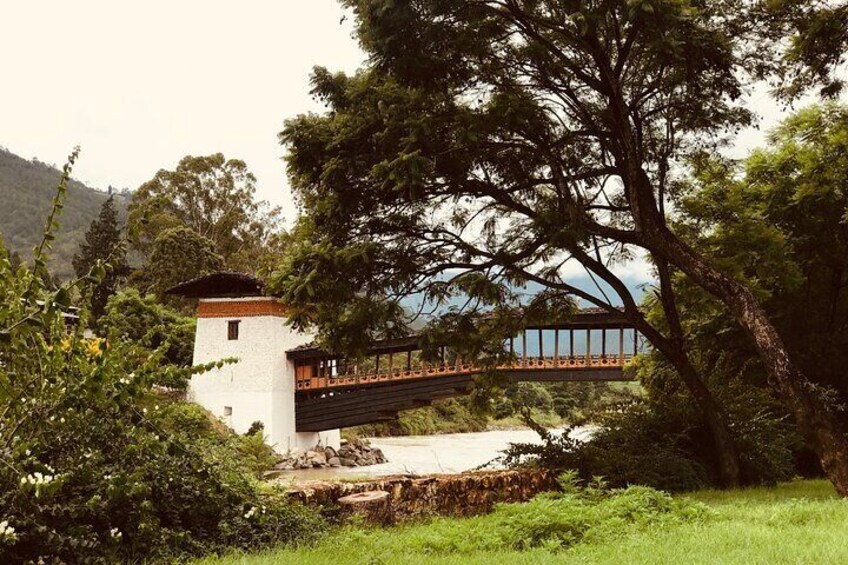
<point x="423" y="455"/>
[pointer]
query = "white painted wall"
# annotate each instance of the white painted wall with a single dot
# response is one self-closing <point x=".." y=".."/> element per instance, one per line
<point x="261" y="385"/>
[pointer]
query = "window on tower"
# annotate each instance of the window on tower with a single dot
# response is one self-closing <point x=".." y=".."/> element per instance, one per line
<point x="233" y="329"/>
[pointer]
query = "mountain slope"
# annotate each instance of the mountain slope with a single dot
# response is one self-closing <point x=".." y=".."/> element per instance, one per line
<point x="26" y="188"/>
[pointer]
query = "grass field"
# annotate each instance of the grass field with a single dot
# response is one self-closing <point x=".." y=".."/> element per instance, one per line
<point x="798" y="522"/>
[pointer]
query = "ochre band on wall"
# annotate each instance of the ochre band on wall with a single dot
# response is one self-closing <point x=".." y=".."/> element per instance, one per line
<point x="240" y="309"/>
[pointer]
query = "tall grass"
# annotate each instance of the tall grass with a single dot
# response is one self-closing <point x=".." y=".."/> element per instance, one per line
<point x="798" y="522"/>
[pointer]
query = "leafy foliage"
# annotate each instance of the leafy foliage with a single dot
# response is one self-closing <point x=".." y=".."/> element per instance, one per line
<point x="783" y="228"/>
<point x="103" y="243"/>
<point x="92" y="468"/>
<point x="177" y="254"/>
<point x="815" y="51"/>
<point x="134" y="319"/>
<point x="213" y="197"/>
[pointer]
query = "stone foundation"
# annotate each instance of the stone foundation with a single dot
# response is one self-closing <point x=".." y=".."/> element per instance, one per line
<point x="459" y="495"/>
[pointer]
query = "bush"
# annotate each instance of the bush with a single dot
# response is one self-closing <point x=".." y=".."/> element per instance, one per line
<point x="634" y="448"/>
<point x="255" y="427"/>
<point x="142" y="320"/>
<point x="451" y="415"/>
<point x="664" y="445"/>
<point x="532" y="395"/>
<point x="94" y="468"/>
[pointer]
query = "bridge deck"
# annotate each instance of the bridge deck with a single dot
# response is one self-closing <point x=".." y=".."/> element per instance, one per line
<point x="363" y="399"/>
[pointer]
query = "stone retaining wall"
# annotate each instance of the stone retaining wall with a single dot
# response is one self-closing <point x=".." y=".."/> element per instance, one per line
<point x="464" y="494"/>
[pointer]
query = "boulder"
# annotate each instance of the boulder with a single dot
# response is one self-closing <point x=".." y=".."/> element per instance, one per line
<point x="319" y="460"/>
<point x="334" y="462"/>
<point x="345" y="462"/>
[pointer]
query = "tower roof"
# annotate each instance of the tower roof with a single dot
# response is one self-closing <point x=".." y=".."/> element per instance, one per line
<point x="219" y="285"/>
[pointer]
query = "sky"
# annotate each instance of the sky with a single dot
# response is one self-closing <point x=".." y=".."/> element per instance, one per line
<point x="140" y="85"/>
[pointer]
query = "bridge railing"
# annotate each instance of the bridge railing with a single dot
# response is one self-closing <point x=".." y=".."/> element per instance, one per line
<point x="306" y="379"/>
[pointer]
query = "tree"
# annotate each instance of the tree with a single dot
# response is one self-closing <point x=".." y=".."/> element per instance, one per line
<point x="102" y="244"/>
<point x="496" y="140"/>
<point x="214" y="197"/>
<point x="817" y="32"/>
<point x="177" y="254"/>
<point x="782" y="226"/>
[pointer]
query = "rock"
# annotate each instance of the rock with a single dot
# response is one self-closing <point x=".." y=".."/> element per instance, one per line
<point x="352" y="453"/>
<point x="284" y="466"/>
<point x="343" y="442"/>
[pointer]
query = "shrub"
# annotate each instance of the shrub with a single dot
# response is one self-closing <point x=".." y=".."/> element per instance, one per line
<point x="93" y="469"/>
<point x="451" y="415"/>
<point x="664" y="445"/>
<point x="142" y="320"/>
<point x="257" y="426"/>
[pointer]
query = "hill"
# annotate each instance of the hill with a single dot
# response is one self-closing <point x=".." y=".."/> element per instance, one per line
<point x="26" y="188"/>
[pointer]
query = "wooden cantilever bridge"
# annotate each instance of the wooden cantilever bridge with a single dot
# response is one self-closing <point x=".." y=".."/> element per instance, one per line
<point x="332" y="392"/>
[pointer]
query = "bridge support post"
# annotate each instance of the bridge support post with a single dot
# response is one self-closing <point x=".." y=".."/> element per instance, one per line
<point x="621" y="346"/>
<point x="556" y="347"/>
<point x="604" y="343"/>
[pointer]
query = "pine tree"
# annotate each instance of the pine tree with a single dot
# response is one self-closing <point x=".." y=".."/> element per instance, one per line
<point x="101" y="243"/>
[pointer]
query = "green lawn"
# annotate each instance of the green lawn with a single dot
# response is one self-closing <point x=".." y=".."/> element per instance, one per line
<point x="799" y="522"/>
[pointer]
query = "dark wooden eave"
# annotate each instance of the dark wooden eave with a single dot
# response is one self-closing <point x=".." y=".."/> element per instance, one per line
<point x="219" y="285"/>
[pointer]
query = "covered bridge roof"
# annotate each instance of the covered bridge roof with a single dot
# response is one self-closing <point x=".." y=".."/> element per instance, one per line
<point x="585" y="318"/>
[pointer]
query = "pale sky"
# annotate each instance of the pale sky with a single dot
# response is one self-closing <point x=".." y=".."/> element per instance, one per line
<point x="141" y="85"/>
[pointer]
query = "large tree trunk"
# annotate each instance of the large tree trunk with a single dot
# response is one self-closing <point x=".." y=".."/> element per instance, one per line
<point x="726" y="452"/>
<point x="714" y="418"/>
<point x="674" y="349"/>
<point x="816" y="419"/>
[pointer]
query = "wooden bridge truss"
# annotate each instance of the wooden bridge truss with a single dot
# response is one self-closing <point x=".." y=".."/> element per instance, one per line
<point x="333" y="392"/>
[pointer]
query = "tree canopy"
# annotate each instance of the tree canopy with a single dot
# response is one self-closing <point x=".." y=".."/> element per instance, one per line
<point x="488" y="143"/>
<point x="780" y="222"/>
<point x="214" y="197"/>
<point x="177" y="254"/>
<point x="103" y="243"/>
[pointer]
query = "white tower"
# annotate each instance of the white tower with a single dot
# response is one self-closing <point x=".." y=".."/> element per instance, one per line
<point x="235" y="319"/>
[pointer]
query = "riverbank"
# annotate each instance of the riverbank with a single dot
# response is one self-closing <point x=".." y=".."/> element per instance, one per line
<point x="797" y="522"/>
<point x="428" y="454"/>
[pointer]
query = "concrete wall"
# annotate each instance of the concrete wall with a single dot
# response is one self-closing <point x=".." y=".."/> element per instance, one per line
<point x="260" y="386"/>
